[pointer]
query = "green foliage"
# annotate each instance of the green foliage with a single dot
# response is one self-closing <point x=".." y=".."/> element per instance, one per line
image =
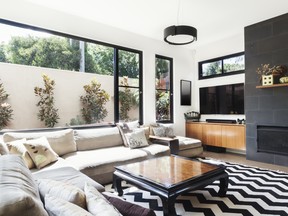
<point x="2" y="53"/>
<point x="47" y="112"/>
<point x="213" y="68"/>
<point x="5" y="108"/>
<point x="128" y="64"/>
<point x="93" y="103"/>
<point x="103" y="58"/>
<point x="63" y="53"/>
<point x="162" y="66"/>
<point x="162" y="105"/>
<point x="77" y="121"/>
<point x="51" y="52"/>
<point x="127" y="99"/>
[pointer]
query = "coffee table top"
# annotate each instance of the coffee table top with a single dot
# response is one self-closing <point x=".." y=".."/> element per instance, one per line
<point x="169" y="170"/>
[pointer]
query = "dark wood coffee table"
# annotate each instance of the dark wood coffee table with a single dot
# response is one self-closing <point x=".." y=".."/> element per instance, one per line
<point x="169" y="177"/>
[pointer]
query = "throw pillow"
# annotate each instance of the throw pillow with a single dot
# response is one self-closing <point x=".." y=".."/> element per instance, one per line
<point x="169" y="132"/>
<point x="57" y="206"/>
<point x="62" y="141"/>
<point x="126" y="208"/>
<point x="137" y="138"/>
<point x="3" y="148"/>
<point x="62" y="190"/>
<point x="159" y="131"/>
<point x="97" y="204"/>
<point x="40" y="152"/>
<point x="17" y="147"/>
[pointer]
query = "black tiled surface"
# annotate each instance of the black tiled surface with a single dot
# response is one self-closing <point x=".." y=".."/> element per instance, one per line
<point x="265" y="43"/>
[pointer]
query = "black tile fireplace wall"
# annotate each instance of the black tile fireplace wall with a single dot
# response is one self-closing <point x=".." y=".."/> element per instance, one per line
<point x="265" y="43"/>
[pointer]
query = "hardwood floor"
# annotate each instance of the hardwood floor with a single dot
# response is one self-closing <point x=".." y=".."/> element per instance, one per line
<point x="241" y="159"/>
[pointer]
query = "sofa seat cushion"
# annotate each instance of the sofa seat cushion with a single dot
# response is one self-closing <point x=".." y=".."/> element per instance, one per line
<point x="68" y="175"/>
<point x="188" y="143"/>
<point x="19" y="192"/>
<point x="156" y="150"/>
<point x="94" y="158"/>
<point x="62" y="141"/>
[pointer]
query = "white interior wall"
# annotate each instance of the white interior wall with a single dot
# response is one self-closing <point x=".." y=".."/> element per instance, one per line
<point x="183" y="59"/>
<point x="220" y="48"/>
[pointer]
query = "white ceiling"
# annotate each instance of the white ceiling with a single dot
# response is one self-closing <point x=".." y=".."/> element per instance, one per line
<point x="214" y="19"/>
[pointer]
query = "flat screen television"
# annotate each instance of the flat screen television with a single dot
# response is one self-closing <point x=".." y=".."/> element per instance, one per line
<point x="224" y="99"/>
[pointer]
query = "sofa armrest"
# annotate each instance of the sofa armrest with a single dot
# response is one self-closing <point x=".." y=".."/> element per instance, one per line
<point x="171" y="142"/>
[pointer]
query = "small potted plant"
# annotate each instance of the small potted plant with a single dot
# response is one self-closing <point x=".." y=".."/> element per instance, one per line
<point x="271" y="75"/>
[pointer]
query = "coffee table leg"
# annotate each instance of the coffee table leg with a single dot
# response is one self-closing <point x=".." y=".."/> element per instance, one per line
<point x="168" y="206"/>
<point x="117" y="185"/>
<point x="223" y="186"/>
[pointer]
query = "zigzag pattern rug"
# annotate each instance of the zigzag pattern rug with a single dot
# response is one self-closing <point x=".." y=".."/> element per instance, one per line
<point x="251" y="192"/>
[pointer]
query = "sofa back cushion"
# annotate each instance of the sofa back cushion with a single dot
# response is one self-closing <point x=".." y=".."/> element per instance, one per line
<point x="62" y="142"/>
<point x="19" y="192"/>
<point x="88" y="139"/>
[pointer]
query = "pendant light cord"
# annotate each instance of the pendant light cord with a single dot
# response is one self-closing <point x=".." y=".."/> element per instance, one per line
<point x="178" y="13"/>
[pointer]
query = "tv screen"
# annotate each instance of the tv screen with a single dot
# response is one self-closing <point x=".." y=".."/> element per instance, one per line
<point x="225" y="99"/>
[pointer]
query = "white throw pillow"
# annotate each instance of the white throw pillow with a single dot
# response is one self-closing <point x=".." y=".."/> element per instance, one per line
<point x="159" y="131"/>
<point x="62" y="190"/>
<point x="97" y="204"/>
<point x="137" y="138"/>
<point x="58" y="207"/>
<point x="3" y="148"/>
<point x="40" y="152"/>
<point x="17" y="147"/>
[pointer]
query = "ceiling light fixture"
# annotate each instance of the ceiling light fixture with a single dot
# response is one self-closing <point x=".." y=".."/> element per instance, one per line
<point x="180" y="34"/>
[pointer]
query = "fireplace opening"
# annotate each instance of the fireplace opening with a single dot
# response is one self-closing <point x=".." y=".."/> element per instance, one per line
<point x="272" y="139"/>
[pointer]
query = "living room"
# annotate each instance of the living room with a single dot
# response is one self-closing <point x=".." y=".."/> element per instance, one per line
<point x="56" y="17"/>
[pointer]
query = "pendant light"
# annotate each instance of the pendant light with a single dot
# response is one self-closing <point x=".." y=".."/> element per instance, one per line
<point x="180" y="34"/>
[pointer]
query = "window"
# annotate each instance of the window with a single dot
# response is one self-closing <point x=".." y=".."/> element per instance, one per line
<point x="226" y="65"/>
<point x="129" y="88"/>
<point x="164" y="88"/>
<point x="117" y="69"/>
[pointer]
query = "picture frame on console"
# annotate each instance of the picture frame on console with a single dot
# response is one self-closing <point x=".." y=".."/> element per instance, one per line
<point x="185" y="90"/>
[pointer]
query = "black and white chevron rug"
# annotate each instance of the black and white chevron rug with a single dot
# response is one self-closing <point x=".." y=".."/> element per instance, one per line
<point x="251" y="191"/>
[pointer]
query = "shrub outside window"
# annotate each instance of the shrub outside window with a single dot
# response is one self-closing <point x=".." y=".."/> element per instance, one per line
<point x="164" y="88"/>
<point x="118" y="70"/>
<point x="226" y="65"/>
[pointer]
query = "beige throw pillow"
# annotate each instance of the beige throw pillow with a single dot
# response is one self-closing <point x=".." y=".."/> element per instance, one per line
<point x="62" y="190"/>
<point x="3" y="148"/>
<point x="97" y="204"/>
<point x="17" y="147"/>
<point x="59" y="207"/>
<point x="137" y="138"/>
<point x="40" y="152"/>
<point x="62" y="141"/>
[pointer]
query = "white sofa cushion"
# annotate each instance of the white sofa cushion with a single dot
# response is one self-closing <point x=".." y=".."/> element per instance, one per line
<point x="19" y="192"/>
<point x="97" y="204"/>
<point x="188" y="143"/>
<point x="89" y="139"/>
<point x="57" y="206"/>
<point x="62" y="141"/>
<point x="94" y="158"/>
<point x="62" y="190"/>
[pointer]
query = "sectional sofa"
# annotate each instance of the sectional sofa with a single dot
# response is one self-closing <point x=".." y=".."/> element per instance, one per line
<point x="94" y="151"/>
<point x="83" y="155"/>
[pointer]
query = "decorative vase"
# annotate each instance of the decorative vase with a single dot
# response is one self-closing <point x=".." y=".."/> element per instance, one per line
<point x="267" y="80"/>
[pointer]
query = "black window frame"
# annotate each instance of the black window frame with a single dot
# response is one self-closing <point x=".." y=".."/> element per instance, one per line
<point x="171" y="90"/>
<point x="222" y="59"/>
<point x="115" y="68"/>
